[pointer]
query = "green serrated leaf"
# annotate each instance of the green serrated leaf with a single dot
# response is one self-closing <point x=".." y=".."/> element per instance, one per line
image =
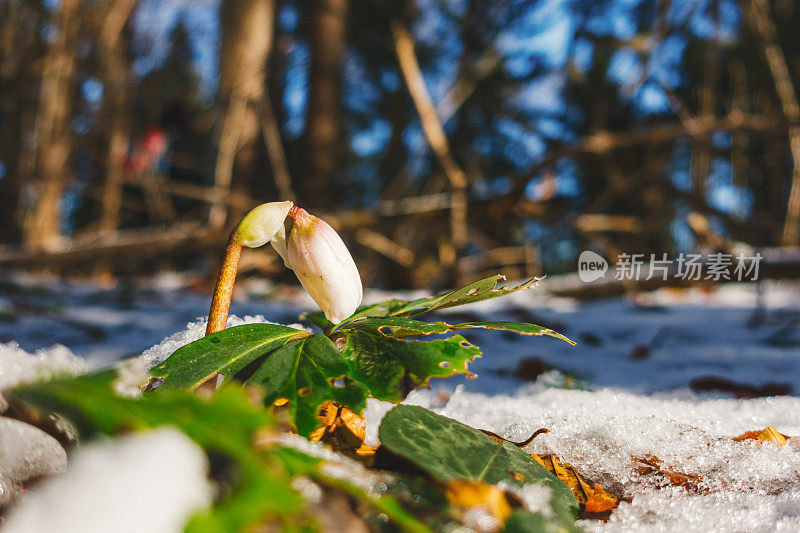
<point x="308" y="369"/>
<point x="484" y="289"/>
<point x="402" y="327"/>
<point x="447" y="449"/>
<point x="390" y="367"/>
<point x="377" y="360"/>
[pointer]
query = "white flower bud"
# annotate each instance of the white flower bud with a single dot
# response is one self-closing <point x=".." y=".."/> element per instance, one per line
<point x="264" y="224"/>
<point x="324" y="266"/>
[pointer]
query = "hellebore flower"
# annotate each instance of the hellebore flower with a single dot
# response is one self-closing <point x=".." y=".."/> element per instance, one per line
<point x="323" y="265"/>
<point x="263" y="224"/>
<point x="313" y="250"/>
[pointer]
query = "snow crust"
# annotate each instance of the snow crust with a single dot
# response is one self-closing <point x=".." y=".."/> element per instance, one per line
<point x="151" y="481"/>
<point x="743" y="486"/>
<point x="18" y="366"/>
<point x="27" y="452"/>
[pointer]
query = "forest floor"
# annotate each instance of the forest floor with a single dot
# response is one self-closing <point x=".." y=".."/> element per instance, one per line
<point x="675" y="377"/>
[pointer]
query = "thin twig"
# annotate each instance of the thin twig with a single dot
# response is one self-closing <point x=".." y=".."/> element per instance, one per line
<point x="434" y="132"/>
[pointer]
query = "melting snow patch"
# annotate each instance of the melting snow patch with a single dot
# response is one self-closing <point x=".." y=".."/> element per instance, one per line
<point x="743" y="486"/>
<point x="18" y="366"/>
<point x="150" y="482"/>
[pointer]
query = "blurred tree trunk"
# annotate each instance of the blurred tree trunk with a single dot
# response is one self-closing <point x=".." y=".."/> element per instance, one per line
<point x="247" y="29"/>
<point x="321" y="144"/>
<point x="53" y="130"/>
<point x="757" y="13"/>
<point x="16" y="81"/>
<point x="112" y="57"/>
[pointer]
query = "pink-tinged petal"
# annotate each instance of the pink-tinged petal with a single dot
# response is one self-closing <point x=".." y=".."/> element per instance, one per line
<point x="324" y="266"/>
<point x="278" y="242"/>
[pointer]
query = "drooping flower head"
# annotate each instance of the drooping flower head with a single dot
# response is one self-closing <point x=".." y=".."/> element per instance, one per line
<point x="313" y="250"/>
<point x="323" y="265"/>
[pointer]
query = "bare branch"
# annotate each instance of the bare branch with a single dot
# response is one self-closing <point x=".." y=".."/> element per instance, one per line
<point x="434" y="133"/>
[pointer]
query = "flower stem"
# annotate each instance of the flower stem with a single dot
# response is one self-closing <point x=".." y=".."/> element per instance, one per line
<point x="221" y="302"/>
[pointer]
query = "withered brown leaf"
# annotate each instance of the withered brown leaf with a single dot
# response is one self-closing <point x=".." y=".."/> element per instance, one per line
<point x="652" y="465"/>
<point x="595" y="501"/>
<point x="342" y="430"/>
<point x="768" y="434"/>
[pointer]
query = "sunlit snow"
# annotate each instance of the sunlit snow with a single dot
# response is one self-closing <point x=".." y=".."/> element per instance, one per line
<point x="630" y="375"/>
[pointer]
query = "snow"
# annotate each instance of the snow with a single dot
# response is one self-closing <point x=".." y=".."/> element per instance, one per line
<point x="338" y="466"/>
<point x="18" y="367"/>
<point x="26" y="452"/>
<point x="151" y="481"/>
<point x="631" y="376"/>
<point x="745" y="487"/>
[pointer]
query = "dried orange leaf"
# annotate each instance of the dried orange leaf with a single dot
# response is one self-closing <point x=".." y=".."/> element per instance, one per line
<point x="467" y="494"/>
<point x="768" y="434"/>
<point x="594" y="500"/>
<point x="342" y="430"/>
<point x="650" y="464"/>
<point x="353" y="422"/>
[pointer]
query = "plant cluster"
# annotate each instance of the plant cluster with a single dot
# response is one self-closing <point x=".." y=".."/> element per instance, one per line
<point x="238" y="392"/>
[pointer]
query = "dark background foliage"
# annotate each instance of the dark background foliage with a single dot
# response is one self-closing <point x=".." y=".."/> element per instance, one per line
<point x="133" y="134"/>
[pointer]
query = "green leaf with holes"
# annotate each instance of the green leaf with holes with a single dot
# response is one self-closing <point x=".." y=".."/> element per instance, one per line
<point x="402" y="327"/>
<point x="309" y="371"/>
<point x="391" y="368"/>
<point x="376" y="357"/>
<point x="447" y="449"/>
<point x="484" y="289"/>
<point x="304" y="368"/>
